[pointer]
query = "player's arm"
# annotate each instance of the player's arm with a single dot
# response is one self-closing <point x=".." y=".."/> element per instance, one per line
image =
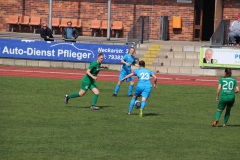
<point x="90" y="75"/>
<point x="105" y="67"/>
<point x="136" y="65"/>
<point x="155" y="81"/>
<point x="236" y="89"/>
<point x="124" y="62"/>
<point x="129" y="75"/>
<point x="218" y="91"/>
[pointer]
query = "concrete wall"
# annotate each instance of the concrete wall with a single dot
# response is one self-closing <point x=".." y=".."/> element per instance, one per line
<point x="53" y="64"/>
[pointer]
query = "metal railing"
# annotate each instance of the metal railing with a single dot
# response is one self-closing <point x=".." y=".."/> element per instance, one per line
<point x="139" y="31"/>
<point x="220" y="36"/>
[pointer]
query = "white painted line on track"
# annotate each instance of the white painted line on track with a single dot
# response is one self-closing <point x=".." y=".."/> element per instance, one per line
<point x="105" y="75"/>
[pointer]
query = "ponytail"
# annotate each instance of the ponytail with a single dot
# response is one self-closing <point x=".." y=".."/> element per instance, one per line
<point x="228" y="72"/>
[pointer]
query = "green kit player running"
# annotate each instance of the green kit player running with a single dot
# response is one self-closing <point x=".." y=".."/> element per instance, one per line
<point x="228" y="86"/>
<point x="89" y="82"/>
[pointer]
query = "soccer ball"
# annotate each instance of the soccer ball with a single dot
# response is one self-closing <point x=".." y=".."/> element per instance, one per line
<point x="137" y="104"/>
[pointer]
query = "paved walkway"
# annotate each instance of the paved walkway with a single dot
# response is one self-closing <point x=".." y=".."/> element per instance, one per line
<point x="89" y="39"/>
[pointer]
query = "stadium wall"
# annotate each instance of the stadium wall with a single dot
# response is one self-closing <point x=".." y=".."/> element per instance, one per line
<point x="124" y="10"/>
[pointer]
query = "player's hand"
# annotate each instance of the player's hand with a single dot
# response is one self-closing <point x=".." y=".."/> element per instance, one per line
<point x="128" y="64"/>
<point x="217" y="99"/>
<point x="94" y="77"/>
<point x="155" y="86"/>
<point x="106" y="67"/>
<point x="63" y="38"/>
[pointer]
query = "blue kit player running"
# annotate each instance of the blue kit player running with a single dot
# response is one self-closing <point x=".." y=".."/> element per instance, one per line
<point x="144" y="86"/>
<point x="127" y="61"/>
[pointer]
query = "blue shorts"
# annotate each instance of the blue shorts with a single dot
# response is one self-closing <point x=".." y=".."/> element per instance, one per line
<point x="142" y="91"/>
<point x="124" y="74"/>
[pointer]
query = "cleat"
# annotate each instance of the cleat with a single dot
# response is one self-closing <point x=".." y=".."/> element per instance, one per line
<point x="128" y="113"/>
<point x="114" y="95"/>
<point x="214" y="123"/>
<point x="130" y="95"/>
<point x="66" y="99"/>
<point x="94" y="108"/>
<point x="141" y="113"/>
<point x="224" y="125"/>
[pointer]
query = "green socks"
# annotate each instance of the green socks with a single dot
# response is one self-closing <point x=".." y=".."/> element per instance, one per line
<point x="74" y="95"/>
<point x="227" y="115"/>
<point x="218" y="114"/>
<point x="94" y="99"/>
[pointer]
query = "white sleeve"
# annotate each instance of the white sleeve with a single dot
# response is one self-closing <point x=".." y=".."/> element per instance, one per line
<point x="231" y="26"/>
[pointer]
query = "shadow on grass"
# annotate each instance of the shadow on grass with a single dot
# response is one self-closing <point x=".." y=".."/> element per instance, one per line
<point x="145" y="114"/>
<point x="122" y="96"/>
<point x="101" y="107"/>
<point x="150" y="114"/>
<point x="234" y="125"/>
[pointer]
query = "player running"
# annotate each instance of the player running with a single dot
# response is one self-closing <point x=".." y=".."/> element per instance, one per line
<point x="144" y="86"/>
<point x="89" y="82"/>
<point x="227" y="86"/>
<point x="127" y="61"/>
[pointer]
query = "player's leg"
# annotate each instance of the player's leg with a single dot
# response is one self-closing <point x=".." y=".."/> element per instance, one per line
<point x="130" y="87"/>
<point x="145" y="95"/>
<point x="131" y="105"/>
<point x="220" y="108"/>
<point x="83" y="89"/>
<point x="228" y="110"/>
<point x="117" y="88"/>
<point x="226" y="116"/>
<point x="137" y="93"/>
<point x="96" y="92"/>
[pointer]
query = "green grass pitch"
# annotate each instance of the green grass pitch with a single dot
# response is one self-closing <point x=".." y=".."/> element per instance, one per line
<point x="35" y="123"/>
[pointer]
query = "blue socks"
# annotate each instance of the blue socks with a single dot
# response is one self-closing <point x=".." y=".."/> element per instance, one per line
<point x="130" y="89"/>
<point x="132" y="102"/>
<point x="116" y="89"/>
<point x="143" y="104"/>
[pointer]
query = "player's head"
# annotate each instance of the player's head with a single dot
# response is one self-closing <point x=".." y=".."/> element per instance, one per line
<point x="228" y="72"/>
<point x="100" y="57"/>
<point x="131" y="50"/>
<point x="141" y="63"/>
<point x="208" y="54"/>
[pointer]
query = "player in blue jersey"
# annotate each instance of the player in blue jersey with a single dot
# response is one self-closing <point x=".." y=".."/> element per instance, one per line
<point x="128" y="60"/>
<point x="144" y="86"/>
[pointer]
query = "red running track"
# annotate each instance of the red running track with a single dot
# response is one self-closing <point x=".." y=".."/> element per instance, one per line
<point x="103" y="75"/>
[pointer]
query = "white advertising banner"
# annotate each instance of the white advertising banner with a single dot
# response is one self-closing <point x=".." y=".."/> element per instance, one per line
<point x="220" y="58"/>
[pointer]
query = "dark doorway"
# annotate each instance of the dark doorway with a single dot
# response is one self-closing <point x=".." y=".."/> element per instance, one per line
<point x="208" y="8"/>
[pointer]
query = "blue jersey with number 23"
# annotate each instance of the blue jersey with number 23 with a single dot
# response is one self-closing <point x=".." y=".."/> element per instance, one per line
<point x="144" y="76"/>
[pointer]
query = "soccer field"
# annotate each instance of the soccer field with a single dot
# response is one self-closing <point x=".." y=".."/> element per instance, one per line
<point x="36" y="123"/>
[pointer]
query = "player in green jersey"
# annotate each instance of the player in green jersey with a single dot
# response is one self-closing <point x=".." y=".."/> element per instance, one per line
<point x="227" y="87"/>
<point x="89" y="82"/>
